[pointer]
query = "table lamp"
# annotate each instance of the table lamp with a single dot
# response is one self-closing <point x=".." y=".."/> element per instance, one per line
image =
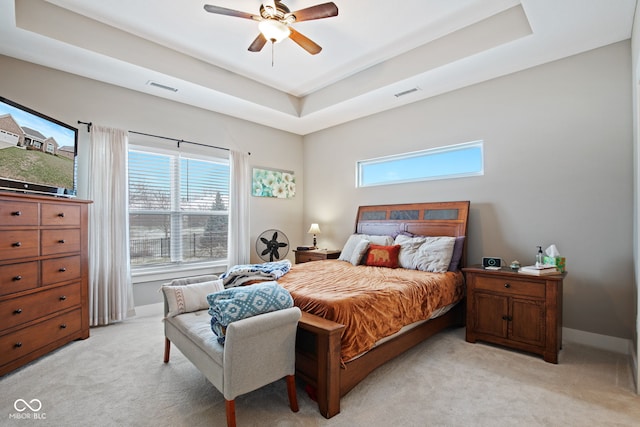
<point x="314" y="229"/>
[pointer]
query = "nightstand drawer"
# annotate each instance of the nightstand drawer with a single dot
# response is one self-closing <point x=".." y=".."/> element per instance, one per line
<point x="310" y="256"/>
<point x="511" y="286"/>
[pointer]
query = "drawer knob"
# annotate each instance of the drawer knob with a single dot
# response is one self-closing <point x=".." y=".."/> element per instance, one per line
<point x="61" y="241"/>
<point x="18" y="344"/>
<point x="63" y="298"/>
<point x="507" y="318"/>
<point x="16" y="244"/>
<point x="17" y="311"/>
<point x="63" y="326"/>
<point x="62" y="269"/>
<point x="61" y="214"/>
<point x="15" y="279"/>
<point x="16" y="213"/>
<point x="507" y="285"/>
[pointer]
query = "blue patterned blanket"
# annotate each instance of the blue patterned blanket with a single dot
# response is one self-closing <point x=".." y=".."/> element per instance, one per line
<point x="238" y="303"/>
<point x="244" y="273"/>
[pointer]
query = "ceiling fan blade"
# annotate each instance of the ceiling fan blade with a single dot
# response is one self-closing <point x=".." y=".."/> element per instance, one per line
<point x="258" y="43"/>
<point x="304" y="42"/>
<point x="230" y="12"/>
<point x="325" y="10"/>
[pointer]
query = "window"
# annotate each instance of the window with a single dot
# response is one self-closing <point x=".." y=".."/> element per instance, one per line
<point x="178" y="208"/>
<point x="453" y="161"/>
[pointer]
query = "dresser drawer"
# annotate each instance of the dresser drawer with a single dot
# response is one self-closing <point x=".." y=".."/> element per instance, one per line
<point x="60" y="214"/>
<point x="60" y="269"/>
<point x="18" y="277"/>
<point x="60" y="241"/>
<point x="19" y="244"/>
<point x="27" y="340"/>
<point x="17" y="311"/>
<point x="514" y="286"/>
<point x="18" y="213"/>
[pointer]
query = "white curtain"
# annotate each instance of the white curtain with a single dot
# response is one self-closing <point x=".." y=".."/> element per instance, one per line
<point x="238" y="245"/>
<point x="110" y="286"/>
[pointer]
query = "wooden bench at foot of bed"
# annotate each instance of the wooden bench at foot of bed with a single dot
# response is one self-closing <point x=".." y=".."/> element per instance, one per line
<point x="318" y="355"/>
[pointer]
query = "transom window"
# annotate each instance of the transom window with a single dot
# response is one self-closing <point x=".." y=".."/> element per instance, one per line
<point x="453" y="161"/>
<point x="178" y="207"/>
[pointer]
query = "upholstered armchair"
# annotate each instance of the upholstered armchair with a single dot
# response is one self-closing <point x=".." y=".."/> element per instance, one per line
<point x="257" y="350"/>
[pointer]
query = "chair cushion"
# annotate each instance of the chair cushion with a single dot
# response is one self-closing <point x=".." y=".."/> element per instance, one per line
<point x="196" y="327"/>
<point x="238" y="303"/>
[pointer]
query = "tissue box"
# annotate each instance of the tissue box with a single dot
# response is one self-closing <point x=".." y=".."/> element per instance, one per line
<point x="559" y="261"/>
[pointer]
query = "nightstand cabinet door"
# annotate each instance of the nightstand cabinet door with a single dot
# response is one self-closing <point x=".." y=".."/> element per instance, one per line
<point x="489" y="314"/>
<point x="527" y="321"/>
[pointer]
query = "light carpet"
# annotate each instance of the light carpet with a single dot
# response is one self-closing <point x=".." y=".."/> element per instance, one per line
<point x="117" y="378"/>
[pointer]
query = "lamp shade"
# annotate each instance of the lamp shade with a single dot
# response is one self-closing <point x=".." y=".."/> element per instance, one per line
<point x="314" y="229"/>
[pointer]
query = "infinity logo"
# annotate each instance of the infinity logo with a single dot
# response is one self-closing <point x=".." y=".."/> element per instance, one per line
<point x="21" y="405"/>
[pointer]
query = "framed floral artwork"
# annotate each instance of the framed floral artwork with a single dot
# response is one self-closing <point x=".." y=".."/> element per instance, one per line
<point x="273" y="183"/>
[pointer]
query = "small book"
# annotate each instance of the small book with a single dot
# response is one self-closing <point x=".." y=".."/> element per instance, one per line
<point x="305" y="248"/>
<point x="538" y="270"/>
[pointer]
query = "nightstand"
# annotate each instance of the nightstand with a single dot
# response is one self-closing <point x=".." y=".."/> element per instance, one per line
<point x="516" y="310"/>
<point x="316" y="255"/>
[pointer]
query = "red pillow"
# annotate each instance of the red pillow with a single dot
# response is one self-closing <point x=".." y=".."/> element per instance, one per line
<point x="383" y="256"/>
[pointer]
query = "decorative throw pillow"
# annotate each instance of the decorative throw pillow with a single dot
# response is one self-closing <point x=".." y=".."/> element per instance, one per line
<point x="191" y="297"/>
<point x="458" y="245"/>
<point x="241" y="302"/>
<point x="383" y="256"/>
<point x="434" y="254"/>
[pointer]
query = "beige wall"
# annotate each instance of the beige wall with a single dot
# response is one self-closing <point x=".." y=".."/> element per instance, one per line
<point x="70" y="98"/>
<point x="558" y="169"/>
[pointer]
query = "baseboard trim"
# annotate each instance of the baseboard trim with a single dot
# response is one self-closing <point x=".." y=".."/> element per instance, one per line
<point x="604" y="342"/>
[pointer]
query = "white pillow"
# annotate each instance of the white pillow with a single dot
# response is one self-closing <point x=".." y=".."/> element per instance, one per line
<point x="434" y="254"/>
<point x="347" y="253"/>
<point x="349" y="247"/>
<point x="359" y="251"/>
<point x="409" y="247"/>
<point x="188" y="298"/>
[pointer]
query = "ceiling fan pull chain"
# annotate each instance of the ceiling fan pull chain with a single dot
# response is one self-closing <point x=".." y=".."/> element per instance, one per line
<point x="272" y="52"/>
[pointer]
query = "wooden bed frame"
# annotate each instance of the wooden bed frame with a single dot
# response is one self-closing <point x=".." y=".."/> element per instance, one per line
<point x="318" y="340"/>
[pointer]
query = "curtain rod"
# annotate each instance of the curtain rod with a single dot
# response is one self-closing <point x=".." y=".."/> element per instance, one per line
<point x="178" y="141"/>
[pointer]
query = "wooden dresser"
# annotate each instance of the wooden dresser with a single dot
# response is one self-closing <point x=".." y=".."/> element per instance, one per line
<point x="43" y="276"/>
<point x="516" y="310"/>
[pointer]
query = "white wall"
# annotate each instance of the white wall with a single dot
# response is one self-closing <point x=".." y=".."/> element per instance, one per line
<point x="558" y="169"/>
<point x="70" y="98"/>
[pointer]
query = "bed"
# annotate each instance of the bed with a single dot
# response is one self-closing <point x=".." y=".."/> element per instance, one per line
<point x="326" y="359"/>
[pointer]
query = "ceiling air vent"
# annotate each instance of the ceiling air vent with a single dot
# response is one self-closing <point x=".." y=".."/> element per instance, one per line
<point x="406" y="92"/>
<point x="161" y="86"/>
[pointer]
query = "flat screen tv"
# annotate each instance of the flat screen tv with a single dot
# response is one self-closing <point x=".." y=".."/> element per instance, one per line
<point x="37" y="153"/>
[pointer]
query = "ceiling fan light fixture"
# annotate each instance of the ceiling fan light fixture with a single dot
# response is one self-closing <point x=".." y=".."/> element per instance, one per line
<point x="274" y="31"/>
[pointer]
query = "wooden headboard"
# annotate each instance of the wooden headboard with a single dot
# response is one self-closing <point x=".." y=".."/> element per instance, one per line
<point x="422" y="219"/>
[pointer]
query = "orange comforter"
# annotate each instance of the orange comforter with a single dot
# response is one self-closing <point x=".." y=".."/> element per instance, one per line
<point x="372" y="302"/>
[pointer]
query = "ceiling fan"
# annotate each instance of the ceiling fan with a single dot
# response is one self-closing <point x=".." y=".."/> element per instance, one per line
<point x="275" y="21"/>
